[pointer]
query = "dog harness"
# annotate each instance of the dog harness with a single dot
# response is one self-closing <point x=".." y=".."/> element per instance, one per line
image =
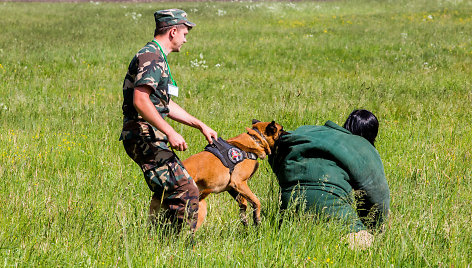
<point x="228" y="154"/>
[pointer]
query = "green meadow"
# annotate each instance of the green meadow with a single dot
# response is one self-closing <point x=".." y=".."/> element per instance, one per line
<point x="70" y="196"/>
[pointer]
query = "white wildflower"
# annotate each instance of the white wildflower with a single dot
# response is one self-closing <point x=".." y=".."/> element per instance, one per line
<point x="3" y="106"/>
<point x="196" y="63"/>
<point x="135" y="16"/>
<point x="290" y="4"/>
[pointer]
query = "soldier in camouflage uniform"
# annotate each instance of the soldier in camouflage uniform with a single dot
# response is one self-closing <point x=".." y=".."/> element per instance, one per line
<point x="147" y="91"/>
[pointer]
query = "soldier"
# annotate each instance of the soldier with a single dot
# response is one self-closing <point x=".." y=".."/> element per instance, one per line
<point x="147" y="90"/>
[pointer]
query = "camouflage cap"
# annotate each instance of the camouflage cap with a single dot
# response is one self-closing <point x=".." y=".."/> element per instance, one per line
<point x="170" y="17"/>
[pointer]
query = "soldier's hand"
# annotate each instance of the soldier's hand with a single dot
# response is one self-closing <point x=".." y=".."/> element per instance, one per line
<point x="209" y="133"/>
<point x="177" y="142"/>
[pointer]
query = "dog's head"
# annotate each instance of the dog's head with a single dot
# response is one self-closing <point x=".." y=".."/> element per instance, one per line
<point x="267" y="133"/>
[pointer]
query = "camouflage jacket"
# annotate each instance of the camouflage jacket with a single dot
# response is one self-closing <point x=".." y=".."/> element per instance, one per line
<point x="148" y="67"/>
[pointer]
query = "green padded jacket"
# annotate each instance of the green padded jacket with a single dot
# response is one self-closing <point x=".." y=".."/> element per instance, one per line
<point x="321" y="166"/>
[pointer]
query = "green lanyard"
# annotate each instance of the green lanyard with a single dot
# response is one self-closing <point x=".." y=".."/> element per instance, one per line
<point x="165" y="58"/>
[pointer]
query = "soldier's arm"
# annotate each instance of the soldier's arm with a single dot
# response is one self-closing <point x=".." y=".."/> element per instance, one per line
<point x="146" y="109"/>
<point x="178" y="114"/>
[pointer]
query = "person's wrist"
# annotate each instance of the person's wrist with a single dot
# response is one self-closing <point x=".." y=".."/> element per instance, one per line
<point x="201" y="126"/>
<point x="169" y="131"/>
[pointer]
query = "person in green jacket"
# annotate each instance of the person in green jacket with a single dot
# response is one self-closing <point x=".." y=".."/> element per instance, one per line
<point x="336" y="172"/>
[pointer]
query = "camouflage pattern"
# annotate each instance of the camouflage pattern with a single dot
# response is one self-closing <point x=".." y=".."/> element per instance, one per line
<point x="148" y="67"/>
<point x="180" y="195"/>
<point x="170" y="17"/>
<point x="166" y="176"/>
<point x="142" y="146"/>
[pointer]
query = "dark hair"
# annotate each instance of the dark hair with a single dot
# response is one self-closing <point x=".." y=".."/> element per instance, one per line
<point x="363" y="123"/>
<point x="163" y="30"/>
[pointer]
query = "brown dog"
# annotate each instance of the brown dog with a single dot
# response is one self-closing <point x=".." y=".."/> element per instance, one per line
<point x="212" y="176"/>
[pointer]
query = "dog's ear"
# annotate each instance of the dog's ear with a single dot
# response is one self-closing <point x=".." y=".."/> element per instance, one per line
<point x="271" y="128"/>
<point x="254" y="121"/>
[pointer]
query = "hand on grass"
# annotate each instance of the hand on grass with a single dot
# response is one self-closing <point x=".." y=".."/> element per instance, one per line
<point x="360" y="240"/>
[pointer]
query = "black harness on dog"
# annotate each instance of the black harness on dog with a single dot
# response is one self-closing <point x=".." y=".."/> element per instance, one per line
<point x="228" y="154"/>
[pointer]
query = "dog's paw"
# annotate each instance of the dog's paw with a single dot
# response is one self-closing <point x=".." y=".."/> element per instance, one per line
<point x="257" y="222"/>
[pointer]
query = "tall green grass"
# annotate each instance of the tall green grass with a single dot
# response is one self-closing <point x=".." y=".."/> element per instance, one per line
<point x="71" y="196"/>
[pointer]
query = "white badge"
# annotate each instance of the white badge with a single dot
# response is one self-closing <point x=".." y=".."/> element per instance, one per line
<point x="173" y="90"/>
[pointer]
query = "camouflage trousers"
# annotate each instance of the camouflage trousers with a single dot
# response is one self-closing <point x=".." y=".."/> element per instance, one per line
<point x="174" y="189"/>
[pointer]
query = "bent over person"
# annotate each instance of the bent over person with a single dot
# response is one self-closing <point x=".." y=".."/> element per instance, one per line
<point x="147" y="91"/>
<point x="319" y="168"/>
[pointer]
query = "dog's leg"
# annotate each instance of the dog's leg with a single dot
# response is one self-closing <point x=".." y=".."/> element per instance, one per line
<point x="202" y="212"/>
<point x="242" y="202"/>
<point x="154" y="209"/>
<point x="202" y="208"/>
<point x="244" y="190"/>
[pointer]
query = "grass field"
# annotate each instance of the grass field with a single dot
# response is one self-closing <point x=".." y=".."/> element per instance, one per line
<point x="70" y="196"/>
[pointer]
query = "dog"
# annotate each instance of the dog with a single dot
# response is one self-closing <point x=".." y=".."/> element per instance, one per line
<point x="212" y="176"/>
